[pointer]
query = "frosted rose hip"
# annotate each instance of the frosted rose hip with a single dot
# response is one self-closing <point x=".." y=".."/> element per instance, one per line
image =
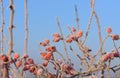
<point x="32" y="68"/>
<point x="79" y="34"/>
<point x="108" y="30"/>
<point x="104" y="58"/>
<point x="43" y="54"/>
<point x="16" y="56"/>
<point x="110" y="55"/>
<point x="35" y="72"/>
<point x="18" y="64"/>
<point x="4" y="58"/>
<point x="56" y="35"/>
<point x="115" y="53"/>
<point x="115" y="37"/>
<point x="26" y="67"/>
<point x="56" y="39"/>
<point x="48" y="56"/>
<point x="45" y="63"/>
<point x="46" y="41"/>
<point x="68" y="40"/>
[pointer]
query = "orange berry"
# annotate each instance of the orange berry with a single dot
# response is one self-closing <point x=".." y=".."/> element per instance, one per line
<point x="108" y="30"/>
<point x="79" y="34"/>
<point x="56" y="39"/>
<point x="115" y="53"/>
<point x="48" y="56"/>
<point x="32" y="68"/>
<point x="56" y="35"/>
<point x="43" y="55"/>
<point x="50" y="48"/>
<point x="68" y="40"/>
<point x="104" y="58"/>
<point x="18" y="64"/>
<point x="45" y="63"/>
<point x="16" y="56"/>
<point x="46" y="41"/>
<point x="115" y="37"/>
<point x="26" y="67"/>
<point x="4" y="58"/>
<point x="35" y="72"/>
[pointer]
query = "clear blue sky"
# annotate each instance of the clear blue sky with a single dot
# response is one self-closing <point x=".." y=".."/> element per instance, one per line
<point x="42" y="21"/>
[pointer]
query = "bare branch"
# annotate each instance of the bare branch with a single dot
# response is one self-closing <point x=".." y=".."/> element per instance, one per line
<point x="26" y="26"/>
<point x="92" y="3"/>
<point x="2" y="27"/>
<point x="65" y="48"/>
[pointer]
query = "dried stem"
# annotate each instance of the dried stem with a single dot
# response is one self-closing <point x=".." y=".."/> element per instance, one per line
<point x="99" y="33"/>
<point x="14" y="72"/>
<point x="77" y="19"/>
<point x="100" y="41"/>
<point x="82" y="60"/>
<point x="90" y="19"/>
<point x="26" y="26"/>
<point x="2" y="27"/>
<point x="103" y="41"/>
<point x="10" y="43"/>
<point x="65" y="48"/>
<point x="108" y="69"/>
<point x="60" y="55"/>
<point x="115" y="46"/>
<point x="26" y="34"/>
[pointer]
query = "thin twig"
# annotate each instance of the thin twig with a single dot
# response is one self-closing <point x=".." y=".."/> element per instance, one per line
<point x="77" y="19"/>
<point x="14" y="72"/>
<point x="108" y="69"/>
<point x="64" y="44"/>
<point x="92" y="3"/>
<point x="26" y="26"/>
<point x="99" y="33"/>
<point x="2" y="27"/>
<point x="115" y="46"/>
<point x="10" y="43"/>
<point x="103" y="41"/>
<point x="60" y="55"/>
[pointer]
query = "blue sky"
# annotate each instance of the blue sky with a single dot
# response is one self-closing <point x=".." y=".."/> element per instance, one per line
<point x="42" y="23"/>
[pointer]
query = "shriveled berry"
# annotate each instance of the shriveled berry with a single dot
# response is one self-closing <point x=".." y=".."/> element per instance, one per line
<point x="115" y="37"/>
